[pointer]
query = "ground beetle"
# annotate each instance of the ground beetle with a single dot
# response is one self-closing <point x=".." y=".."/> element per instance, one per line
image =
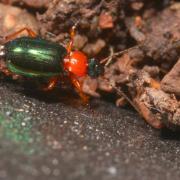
<point x="33" y="56"/>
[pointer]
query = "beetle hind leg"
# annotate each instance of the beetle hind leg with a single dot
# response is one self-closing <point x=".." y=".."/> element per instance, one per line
<point x="51" y="84"/>
<point x="30" y="32"/>
<point x="6" y="72"/>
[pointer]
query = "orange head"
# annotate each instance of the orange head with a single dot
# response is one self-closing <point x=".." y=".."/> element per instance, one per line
<point x="78" y="64"/>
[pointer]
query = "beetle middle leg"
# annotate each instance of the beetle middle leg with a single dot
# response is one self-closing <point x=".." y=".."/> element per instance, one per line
<point x="30" y="32"/>
<point x="51" y="84"/>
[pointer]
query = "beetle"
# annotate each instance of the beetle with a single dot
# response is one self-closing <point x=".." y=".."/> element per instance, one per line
<point x="32" y="56"/>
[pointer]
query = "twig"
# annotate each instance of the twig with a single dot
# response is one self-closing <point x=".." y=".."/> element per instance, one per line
<point x="121" y="93"/>
<point x="117" y="54"/>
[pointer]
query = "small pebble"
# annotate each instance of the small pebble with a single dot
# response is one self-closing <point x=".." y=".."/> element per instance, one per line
<point x="112" y="170"/>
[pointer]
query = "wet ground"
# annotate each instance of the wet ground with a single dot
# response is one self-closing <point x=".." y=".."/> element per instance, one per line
<point x="50" y="137"/>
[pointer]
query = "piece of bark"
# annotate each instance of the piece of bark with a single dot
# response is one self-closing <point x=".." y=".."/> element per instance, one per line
<point x="160" y="31"/>
<point x="157" y="107"/>
<point x="156" y="34"/>
<point x="171" y="82"/>
<point x="165" y="107"/>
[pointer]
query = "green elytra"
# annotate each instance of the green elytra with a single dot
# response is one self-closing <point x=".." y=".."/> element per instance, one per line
<point x="34" y="57"/>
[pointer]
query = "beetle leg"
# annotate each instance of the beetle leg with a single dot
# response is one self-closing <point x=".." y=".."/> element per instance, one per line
<point x="78" y="87"/>
<point x="30" y="32"/>
<point x="6" y="72"/>
<point x="52" y="83"/>
<point x="72" y="34"/>
<point x="4" y="69"/>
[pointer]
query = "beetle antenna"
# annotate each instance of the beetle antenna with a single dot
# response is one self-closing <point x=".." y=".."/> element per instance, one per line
<point x="72" y="34"/>
<point x="108" y="59"/>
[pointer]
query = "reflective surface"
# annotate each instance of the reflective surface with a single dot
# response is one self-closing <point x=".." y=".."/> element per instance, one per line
<point x="50" y="137"/>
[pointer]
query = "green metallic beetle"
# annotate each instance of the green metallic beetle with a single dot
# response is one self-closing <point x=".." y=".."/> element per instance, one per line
<point x="33" y="57"/>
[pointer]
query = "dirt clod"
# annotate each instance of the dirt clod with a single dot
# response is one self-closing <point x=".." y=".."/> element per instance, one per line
<point x="13" y="19"/>
<point x="171" y="82"/>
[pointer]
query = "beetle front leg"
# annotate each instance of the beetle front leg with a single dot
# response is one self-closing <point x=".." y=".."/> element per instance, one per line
<point x="30" y="32"/>
<point x="78" y="87"/>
